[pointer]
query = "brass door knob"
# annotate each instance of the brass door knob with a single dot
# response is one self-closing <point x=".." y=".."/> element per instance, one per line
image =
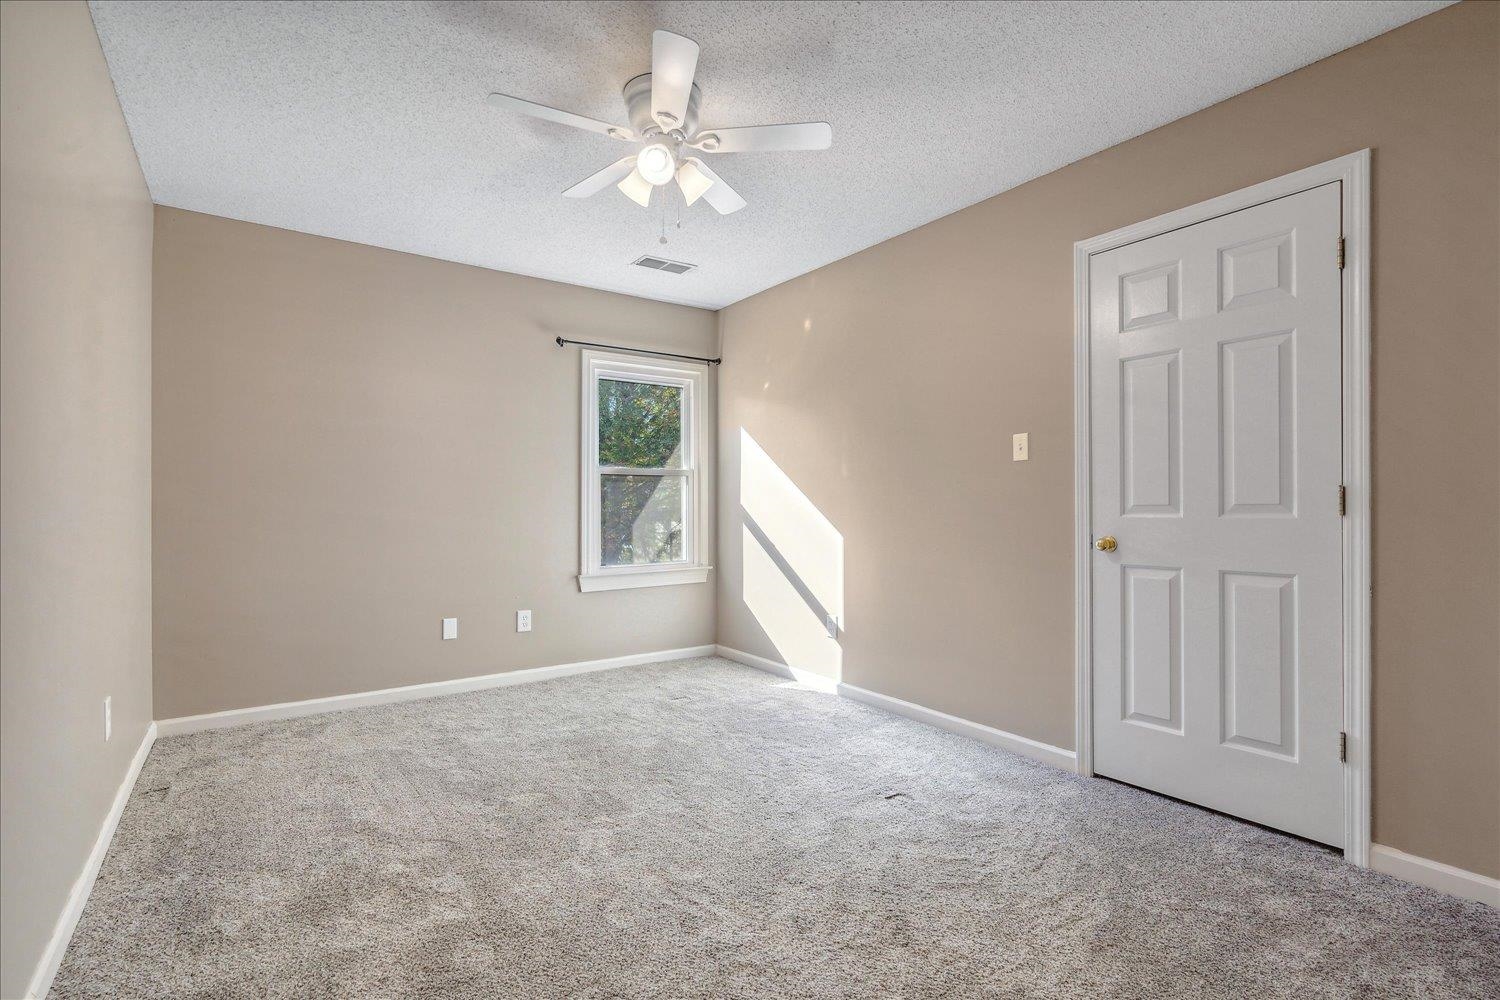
<point x="1106" y="544"/>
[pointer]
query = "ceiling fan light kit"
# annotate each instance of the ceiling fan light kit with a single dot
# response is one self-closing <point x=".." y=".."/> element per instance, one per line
<point x="657" y="164"/>
<point x="662" y="106"/>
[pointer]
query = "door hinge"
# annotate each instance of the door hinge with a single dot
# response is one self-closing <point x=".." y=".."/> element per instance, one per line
<point x="1341" y="253"/>
<point x="1343" y="500"/>
<point x="1343" y="748"/>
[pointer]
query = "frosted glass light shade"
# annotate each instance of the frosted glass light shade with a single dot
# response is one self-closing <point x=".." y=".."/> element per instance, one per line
<point x="637" y="188"/>
<point x="693" y="181"/>
<point x="656" y="164"/>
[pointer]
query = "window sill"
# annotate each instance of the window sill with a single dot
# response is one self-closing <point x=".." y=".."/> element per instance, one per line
<point x="643" y="577"/>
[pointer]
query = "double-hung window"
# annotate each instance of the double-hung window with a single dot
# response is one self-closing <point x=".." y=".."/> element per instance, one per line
<point x="643" y="490"/>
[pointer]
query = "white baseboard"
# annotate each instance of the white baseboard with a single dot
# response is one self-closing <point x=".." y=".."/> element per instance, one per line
<point x="816" y="681"/>
<point x="1435" y="875"/>
<point x="62" y="932"/>
<point x="412" y="692"/>
<point x="1025" y="746"/>
<point x="1035" y="749"/>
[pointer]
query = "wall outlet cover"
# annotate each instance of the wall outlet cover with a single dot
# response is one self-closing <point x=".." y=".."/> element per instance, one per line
<point x="1020" y="447"/>
<point x="450" y="628"/>
<point x="523" y="621"/>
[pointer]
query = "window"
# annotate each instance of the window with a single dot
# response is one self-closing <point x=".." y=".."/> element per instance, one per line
<point x="643" y="489"/>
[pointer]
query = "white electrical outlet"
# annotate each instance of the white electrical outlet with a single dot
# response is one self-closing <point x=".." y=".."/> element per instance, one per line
<point x="450" y="628"/>
<point x="831" y="622"/>
<point x="523" y="621"/>
<point x="108" y="722"/>
<point x="1020" y="447"/>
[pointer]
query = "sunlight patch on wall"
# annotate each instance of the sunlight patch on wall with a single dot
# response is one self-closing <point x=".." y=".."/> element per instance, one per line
<point x="793" y="564"/>
<point x="800" y="636"/>
<point x="806" y="540"/>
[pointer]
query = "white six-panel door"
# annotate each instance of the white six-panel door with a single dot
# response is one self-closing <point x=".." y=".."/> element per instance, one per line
<point x="1216" y="437"/>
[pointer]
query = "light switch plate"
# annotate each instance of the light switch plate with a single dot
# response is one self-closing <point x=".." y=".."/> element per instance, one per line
<point x="450" y="628"/>
<point x="1020" y="447"/>
<point x="523" y="621"/>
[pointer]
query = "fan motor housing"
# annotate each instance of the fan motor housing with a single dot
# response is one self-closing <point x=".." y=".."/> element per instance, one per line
<point x="637" y="95"/>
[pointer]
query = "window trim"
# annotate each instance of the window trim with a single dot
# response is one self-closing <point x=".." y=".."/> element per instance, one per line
<point x="592" y="576"/>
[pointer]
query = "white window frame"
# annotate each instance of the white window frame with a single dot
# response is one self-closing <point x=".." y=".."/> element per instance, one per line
<point x="693" y="380"/>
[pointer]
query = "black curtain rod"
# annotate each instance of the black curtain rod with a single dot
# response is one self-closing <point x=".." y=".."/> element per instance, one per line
<point x="640" y="350"/>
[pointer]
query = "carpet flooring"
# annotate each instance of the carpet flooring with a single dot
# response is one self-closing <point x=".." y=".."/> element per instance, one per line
<point x="700" y="829"/>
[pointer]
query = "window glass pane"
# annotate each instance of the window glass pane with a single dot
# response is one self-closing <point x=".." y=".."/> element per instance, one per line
<point x="640" y="424"/>
<point x="643" y="519"/>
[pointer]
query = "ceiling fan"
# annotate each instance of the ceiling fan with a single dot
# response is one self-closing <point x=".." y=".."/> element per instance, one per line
<point x="663" y="109"/>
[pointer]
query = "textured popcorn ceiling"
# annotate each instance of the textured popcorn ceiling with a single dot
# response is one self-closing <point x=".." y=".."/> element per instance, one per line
<point x="367" y="121"/>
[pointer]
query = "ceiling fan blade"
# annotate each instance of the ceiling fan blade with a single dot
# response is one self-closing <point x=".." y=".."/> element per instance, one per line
<point x="721" y="196"/>
<point x="599" y="180"/>
<point x="674" y="60"/>
<point x="765" y="138"/>
<point x="561" y="117"/>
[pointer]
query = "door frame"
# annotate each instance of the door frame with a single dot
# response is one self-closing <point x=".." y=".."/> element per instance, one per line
<point x="1354" y="171"/>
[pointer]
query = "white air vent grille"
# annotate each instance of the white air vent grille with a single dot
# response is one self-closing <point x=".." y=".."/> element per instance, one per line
<point x="662" y="264"/>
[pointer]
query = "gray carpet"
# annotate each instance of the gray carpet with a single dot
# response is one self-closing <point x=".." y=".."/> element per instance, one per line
<point x="699" y="829"/>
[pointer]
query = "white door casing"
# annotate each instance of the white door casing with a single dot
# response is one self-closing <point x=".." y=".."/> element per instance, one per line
<point x="1216" y="439"/>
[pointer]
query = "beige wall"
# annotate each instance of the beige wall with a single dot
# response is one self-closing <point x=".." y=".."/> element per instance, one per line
<point x="75" y="463"/>
<point x="886" y="387"/>
<point x="352" y="444"/>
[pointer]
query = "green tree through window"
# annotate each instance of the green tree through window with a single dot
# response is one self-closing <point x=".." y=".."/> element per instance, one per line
<point x="642" y="516"/>
<point x="640" y="424"/>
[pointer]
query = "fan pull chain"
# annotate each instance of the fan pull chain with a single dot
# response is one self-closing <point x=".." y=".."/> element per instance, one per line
<point x="669" y="193"/>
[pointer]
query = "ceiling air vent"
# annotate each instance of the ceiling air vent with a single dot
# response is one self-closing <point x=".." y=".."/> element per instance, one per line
<point x="660" y="264"/>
